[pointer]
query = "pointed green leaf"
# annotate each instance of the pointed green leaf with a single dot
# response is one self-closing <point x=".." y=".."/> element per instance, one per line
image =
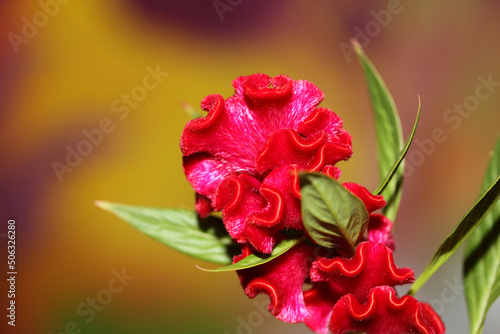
<point x="461" y="232"/>
<point x="482" y="257"/>
<point x="257" y="259"/>
<point x="180" y="229"/>
<point x="402" y="155"/>
<point x="332" y="215"/>
<point x="388" y="130"/>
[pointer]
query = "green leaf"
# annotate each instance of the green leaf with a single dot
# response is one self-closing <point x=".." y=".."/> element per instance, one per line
<point x="482" y="257"/>
<point x="257" y="259"/>
<point x="461" y="232"/>
<point x="332" y="215"/>
<point x="191" y="111"/>
<point x="180" y="229"/>
<point x="388" y="130"/>
<point x="401" y="155"/>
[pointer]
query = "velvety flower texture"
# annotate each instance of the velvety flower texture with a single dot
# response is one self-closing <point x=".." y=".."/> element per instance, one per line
<point x="243" y="158"/>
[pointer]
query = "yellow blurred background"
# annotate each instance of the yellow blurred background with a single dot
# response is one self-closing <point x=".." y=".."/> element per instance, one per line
<point x="69" y="68"/>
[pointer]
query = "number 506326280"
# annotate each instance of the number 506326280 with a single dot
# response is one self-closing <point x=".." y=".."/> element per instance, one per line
<point x="11" y="248"/>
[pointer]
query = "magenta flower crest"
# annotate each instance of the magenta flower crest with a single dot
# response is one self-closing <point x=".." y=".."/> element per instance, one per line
<point x="242" y="158"/>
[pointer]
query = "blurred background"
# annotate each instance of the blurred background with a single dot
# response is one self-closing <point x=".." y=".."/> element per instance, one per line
<point x="90" y="109"/>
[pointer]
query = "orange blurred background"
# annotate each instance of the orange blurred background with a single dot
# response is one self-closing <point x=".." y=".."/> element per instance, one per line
<point x="67" y="68"/>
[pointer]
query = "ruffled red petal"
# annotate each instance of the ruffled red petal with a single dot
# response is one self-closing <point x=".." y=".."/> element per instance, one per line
<point x="260" y="91"/>
<point x="332" y="171"/>
<point x="432" y="318"/>
<point x="286" y="147"/>
<point x="372" y="202"/>
<point x="262" y="87"/>
<point x="322" y="119"/>
<point x="195" y="128"/>
<point x="282" y="280"/>
<point x="227" y="135"/>
<point x="284" y="183"/>
<point x="237" y="196"/>
<point x="372" y="265"/>
<point x="384" y="313"/>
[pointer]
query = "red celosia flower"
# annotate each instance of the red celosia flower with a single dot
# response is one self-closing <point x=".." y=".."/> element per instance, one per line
<point x="384" y="313"/>
<point x="268" y="129"/>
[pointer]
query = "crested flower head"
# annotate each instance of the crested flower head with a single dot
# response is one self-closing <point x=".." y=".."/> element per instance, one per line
<point x="242" y="158"/>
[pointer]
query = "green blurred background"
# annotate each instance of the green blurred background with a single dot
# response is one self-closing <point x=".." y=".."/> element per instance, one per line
<point x="63" y="74"/>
